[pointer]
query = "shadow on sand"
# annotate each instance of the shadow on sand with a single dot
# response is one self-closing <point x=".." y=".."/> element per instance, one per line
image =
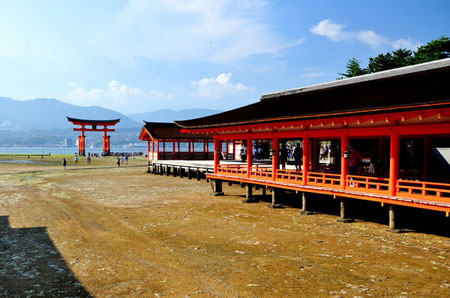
<point x="31" y="266"/>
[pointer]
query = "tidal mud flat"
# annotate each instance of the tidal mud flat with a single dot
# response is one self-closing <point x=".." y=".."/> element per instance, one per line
<point x="111" y="232"/>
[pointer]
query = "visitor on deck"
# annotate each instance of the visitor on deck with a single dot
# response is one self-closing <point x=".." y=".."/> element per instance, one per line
<point x="353" y="161"/>
<point x="298" y="155"/>
<point x="244" y="153"/>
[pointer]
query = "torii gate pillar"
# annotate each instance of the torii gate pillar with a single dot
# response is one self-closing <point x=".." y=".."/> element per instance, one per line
<point x="106" y="144"/>
<point x="82" y="145"/>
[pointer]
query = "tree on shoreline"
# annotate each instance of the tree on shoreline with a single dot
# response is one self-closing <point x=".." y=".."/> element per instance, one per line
<point x="433" y="50"/>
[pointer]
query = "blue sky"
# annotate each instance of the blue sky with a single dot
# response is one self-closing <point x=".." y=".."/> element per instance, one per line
<point x="138" y="56"/>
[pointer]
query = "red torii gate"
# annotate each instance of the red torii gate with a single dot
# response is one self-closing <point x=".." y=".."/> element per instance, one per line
<point x="93" y="124"/>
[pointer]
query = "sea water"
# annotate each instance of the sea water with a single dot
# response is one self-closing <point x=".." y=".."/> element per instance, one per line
<point x="66" y="150"/>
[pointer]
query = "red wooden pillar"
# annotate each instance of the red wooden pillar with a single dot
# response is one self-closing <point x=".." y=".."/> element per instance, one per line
<point x="275" y="151"/>
<point x="164" y="150"/>
<point x="306" y="158"/>
<point x="426" y="156"/>
<point x="157" y="150"/>
<point x="249" y="157"/>
<point x="106" y="144"/>
<point x="217" y="144"/>
<point x="189" y="149"/>
<point x="173" y="149"/>
<point x="315" y="154"/>
<point x="82" y="145"/>
<point x="344" y="161"/>
<point x="226" y="148"/>
<point x="394" y="163"/>
<point x="234" y="149"/>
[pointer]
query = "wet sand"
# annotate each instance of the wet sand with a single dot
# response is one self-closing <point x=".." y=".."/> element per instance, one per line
<point x="120" y="232"/>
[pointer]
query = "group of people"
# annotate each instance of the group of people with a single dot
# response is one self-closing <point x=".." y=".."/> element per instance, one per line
<point x="257" y="152"/>
<point x="76" y="160"/>
<point x="296" y="153"/>
<point x="121" y="159"/>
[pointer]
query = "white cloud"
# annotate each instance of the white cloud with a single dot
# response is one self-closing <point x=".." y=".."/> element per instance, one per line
<point x="311" y="75"/>
<point x="371" y="38"/>
<point x="111" y="97"/>
<point x="406" y="44"/>
<point x="328" y="29"/>
<point x="217" y="87"/>
<point x="336" y="33"/>
<point x="157" y="94"/>
<point x="196" y="30"/>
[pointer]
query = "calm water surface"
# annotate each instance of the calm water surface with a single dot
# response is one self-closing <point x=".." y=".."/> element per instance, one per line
<point x="64" y="150"/>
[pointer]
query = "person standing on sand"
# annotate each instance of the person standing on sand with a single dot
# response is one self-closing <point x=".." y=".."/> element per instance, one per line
<point x="64" y="163"/>
<point x="118" y="162"/>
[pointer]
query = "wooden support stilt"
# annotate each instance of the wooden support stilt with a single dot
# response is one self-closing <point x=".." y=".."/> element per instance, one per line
<point x="230" y="183"/>
<point x="216" y="187"/>
<point x="189" y="172"/>
<point x="174" y="171"/>
<point x="198" y="175"/>
<point x="275" y="193"/>
<point x="249" y="194"/>
<point x="343" y="216"/>
<point x="181" y="172"/>
<point x="392" y="221"/>
<point x="304" y="209"/>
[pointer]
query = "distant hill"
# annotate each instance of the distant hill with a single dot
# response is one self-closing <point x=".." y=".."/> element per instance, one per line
<point x="167" y="115"/>
<point x="44" y="114"/>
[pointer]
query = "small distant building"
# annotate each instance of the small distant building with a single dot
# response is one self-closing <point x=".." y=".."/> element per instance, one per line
<point x="166" y="142"/>
<point x="68" y="142"/>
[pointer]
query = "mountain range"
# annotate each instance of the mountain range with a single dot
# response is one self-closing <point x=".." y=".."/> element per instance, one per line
<point x="50" y="114"/>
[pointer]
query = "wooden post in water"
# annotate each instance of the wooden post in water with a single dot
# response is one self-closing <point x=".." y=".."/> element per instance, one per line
<point x="304" y="209"/>
<point x="392" y="221"/>
<point x="217" y="187"/>
<point x="343" y="216"/>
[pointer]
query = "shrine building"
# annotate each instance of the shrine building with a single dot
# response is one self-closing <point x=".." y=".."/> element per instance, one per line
<point x="166" y="142"/>
<point x="382" y="137"/>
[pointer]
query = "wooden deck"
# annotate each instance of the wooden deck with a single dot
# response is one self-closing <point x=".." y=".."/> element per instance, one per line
<point x="417" y="194"/>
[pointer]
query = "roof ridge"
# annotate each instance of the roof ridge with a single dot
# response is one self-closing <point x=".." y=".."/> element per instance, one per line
<point x="363" y="78"/>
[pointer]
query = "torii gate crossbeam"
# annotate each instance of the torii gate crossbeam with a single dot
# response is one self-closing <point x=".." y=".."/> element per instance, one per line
<point x="93" y="125"/>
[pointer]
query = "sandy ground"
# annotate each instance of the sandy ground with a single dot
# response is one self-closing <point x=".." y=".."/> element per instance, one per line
<point x="120" y="232"/>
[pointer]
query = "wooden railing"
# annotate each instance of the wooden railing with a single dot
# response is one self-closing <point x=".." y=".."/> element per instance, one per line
<point x="424" y="190"/>
<point x="261" y="172"/>
<point x="232" y="170"/>
<point x="324" y="179"/>
<point x="368" y="184"/>
<point x="405" y="188"/>
<point x="290" y="175"/>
